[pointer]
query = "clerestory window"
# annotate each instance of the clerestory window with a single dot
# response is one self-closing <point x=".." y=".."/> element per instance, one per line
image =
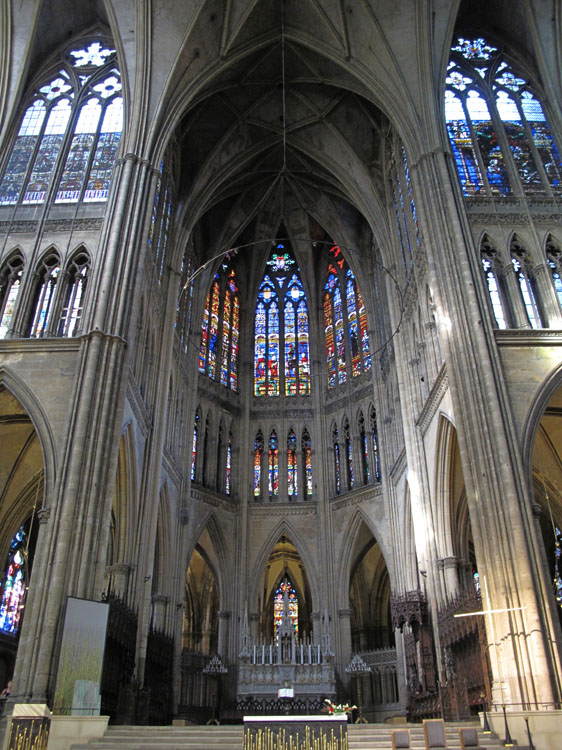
<point x="497" y="127"/>
<point x="65" y="148"/>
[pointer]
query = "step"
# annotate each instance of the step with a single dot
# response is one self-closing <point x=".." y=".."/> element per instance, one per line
<point x="371" y="736"/>
<point x="169" y="738"/>
<point x="229" y="737"/>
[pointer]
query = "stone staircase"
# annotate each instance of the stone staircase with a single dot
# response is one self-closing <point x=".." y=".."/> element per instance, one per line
<point x="168" y="738"/>
<point x="378" y="736"/>
<point x="360" y="737"/>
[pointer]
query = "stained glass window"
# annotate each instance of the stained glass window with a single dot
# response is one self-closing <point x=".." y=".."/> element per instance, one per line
<point x="44" y="296"/>
<point x="258" y="453"/>
<point x="496" y="126"/>
<point x="526" y="285"/>
<point x="228" y="472"/>
<point x="306" y="445"/>
<point x="15" y="584"/>
<point x="273" y="465"/>
<point x="281" y="330"/>
<point x="292" y="470"/>
<point x="71" y="315"/>
<point x="345" y="323"/>
<point x="285" y="590"/>
<point x="218" y="350"/>
<point x="195" y="446"/>
<point x="91" y="104"/>
<point x="10" y="284"/>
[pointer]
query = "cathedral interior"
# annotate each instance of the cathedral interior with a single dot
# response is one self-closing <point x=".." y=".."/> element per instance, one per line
<point x="281" y="352"/>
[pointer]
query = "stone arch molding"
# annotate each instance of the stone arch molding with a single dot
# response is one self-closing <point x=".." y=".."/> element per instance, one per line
<point x="350" y="534"/>
<point x="284" y="527"/>
<point x="24" y="394"/>
<point x="223" y="574"/>
<point x="534" y="414"/>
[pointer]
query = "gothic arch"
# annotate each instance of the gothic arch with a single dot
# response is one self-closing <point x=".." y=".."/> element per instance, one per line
<point x="28" y="399"/>
<point x="346" y="556"/>
<point x="283" y="528"/>
<point x="536" y="409"/>
<point x="223" y="569"/>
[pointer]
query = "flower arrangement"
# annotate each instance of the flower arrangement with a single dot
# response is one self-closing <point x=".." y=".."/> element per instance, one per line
<point x="338" y="708"/>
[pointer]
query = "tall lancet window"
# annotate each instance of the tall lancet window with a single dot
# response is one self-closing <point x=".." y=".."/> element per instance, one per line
<point x="195" y="445"/>
<point x="70" y="130"/>
<point x="273" y="465"/>
<point x="497" y="127"/>
<point x="526" y="283"/>
<point x="375" y="444"/>
<point x="228" y="470"/>
<point x="285" y="597"/>
<point x="494" y="282"/>
<point x="337" y="459"/>
<point x="364" y="450"/>
<point x="350" y="478"/>
<point x="258" y="453"/>
<point x="10" y="284"/>
<point x="306" y="445"/>
<point x="554" y="260"/>
<point x="15" y="581"/>
<point x="44" y="296"/>
<point x="218" y="351"/>
<point x="73" y="302"/>
<point x="292" y="470"/>
<point x="281" y="330"/>
<point x="345" y="323"/>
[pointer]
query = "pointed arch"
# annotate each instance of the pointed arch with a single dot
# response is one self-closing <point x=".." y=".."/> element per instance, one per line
<point x="27" y="398"/>
<point x="223" y="569"/>
<point x="284" y="528"/>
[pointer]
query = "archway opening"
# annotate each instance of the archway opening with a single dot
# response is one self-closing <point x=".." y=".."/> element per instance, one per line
<point x="547" y="486"/>
<point x="283" y="584"/>
<point x="21" y="497"/>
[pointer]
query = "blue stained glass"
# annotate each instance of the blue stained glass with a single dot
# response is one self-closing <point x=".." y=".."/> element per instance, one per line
<point x="340" y="336"/>
<point x="14" y="585"/>
<point x="290" y="351"/>
<point x="273" y="350"/>
<point x="303" y="357"/>
<point x="281" y="333"/>
<point x="352" y="322"/>
<point x="260" y="350"/>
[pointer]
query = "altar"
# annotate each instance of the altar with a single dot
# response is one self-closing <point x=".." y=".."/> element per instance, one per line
<point x="328" y="732"/>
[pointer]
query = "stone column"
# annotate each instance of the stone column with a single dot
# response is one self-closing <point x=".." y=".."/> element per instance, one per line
<point x="517" y="308"/>
<point x="222" y="643"/>
<point x="548" y="301"/>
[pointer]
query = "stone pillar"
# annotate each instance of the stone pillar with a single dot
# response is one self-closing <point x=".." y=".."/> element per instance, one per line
<point x="222" y="643"/>
<point x="517" y="308"/>
<point x="548" y="301"/>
